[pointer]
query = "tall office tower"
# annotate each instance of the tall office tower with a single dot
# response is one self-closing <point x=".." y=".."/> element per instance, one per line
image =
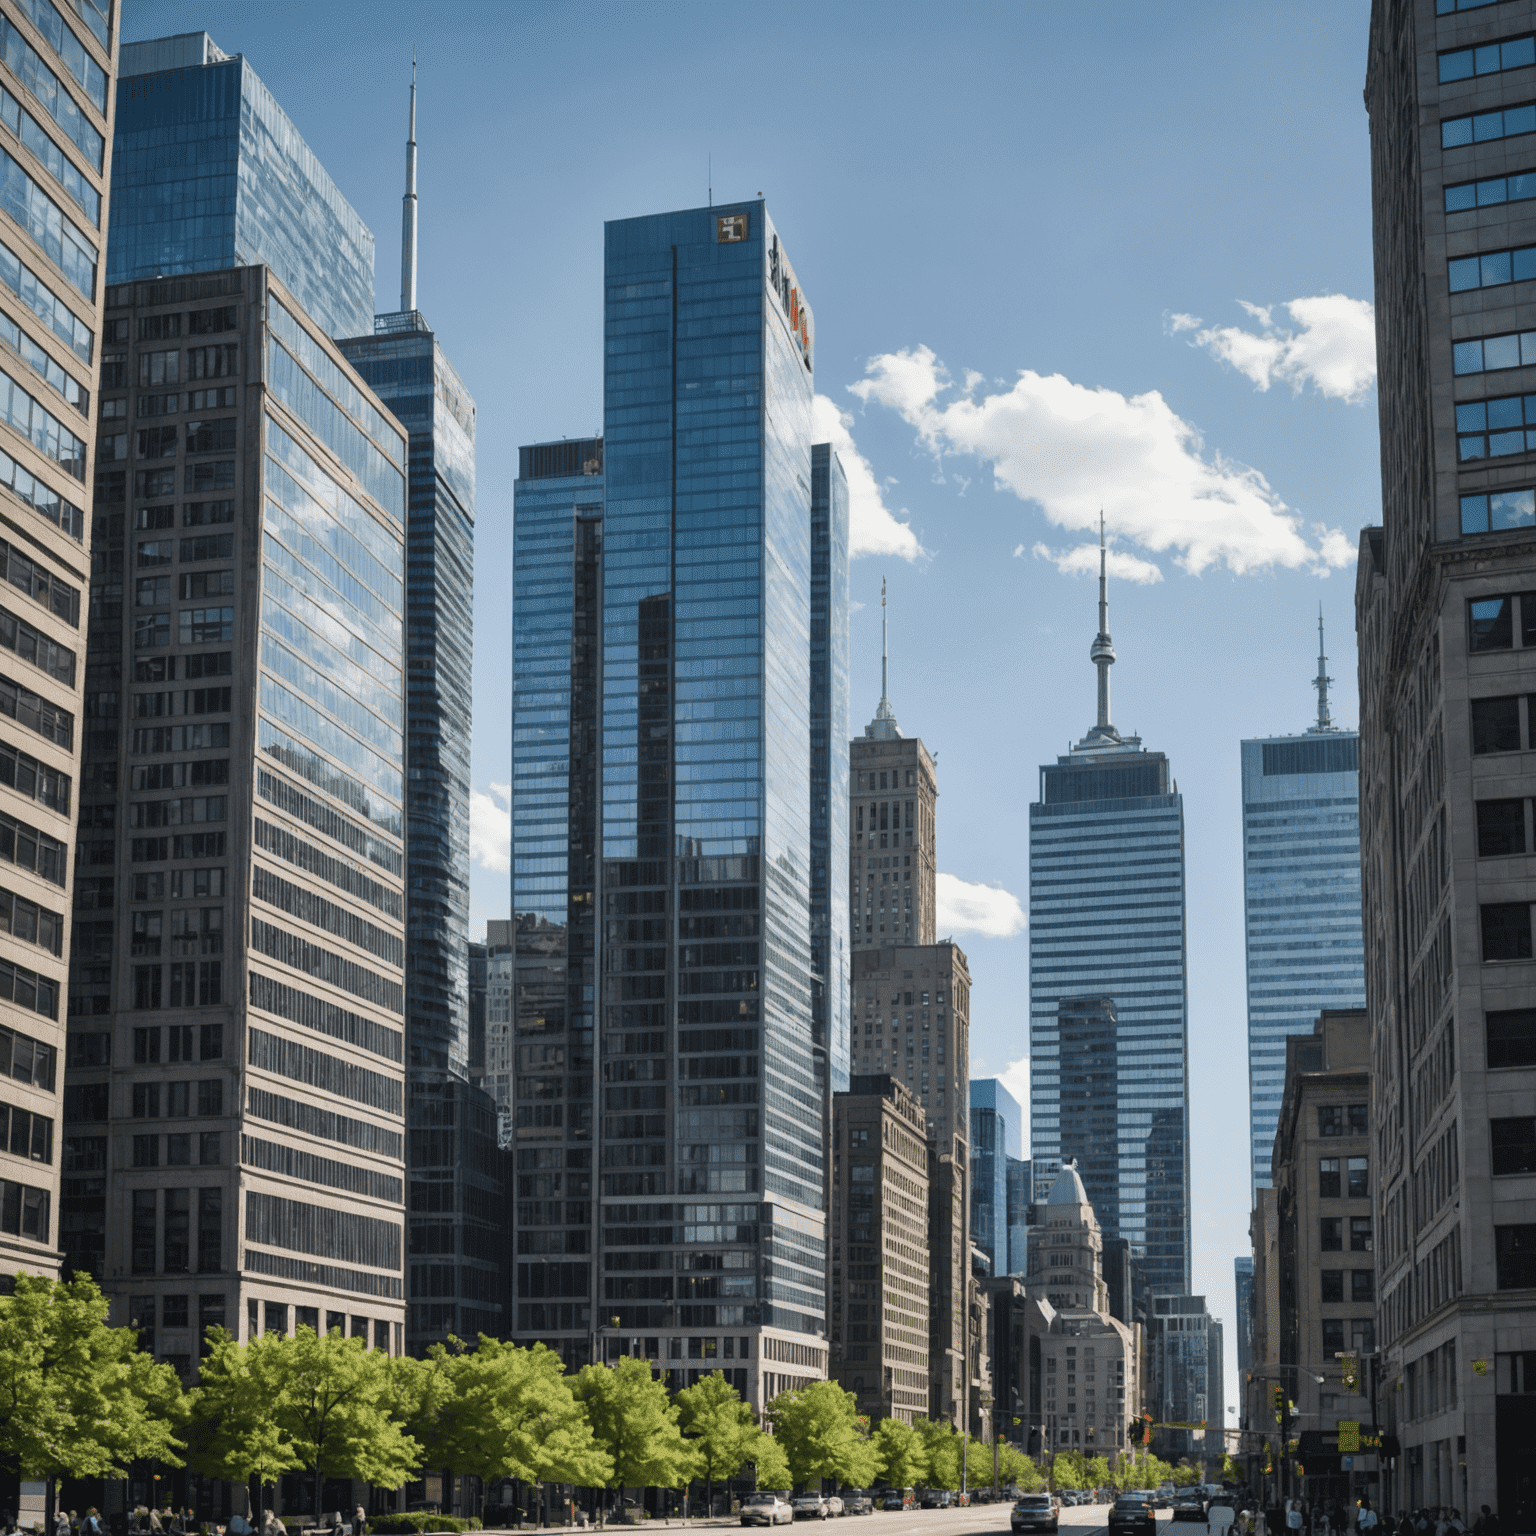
<point x="56" y="100"/>
<point x="456" y="1219"/>
<point x="236" y="998"/>
<point x="676" y="592"/>
<point x="1301" y="896"/>
<point x="1242" y="1283"/>
<point x="212" y="174"/>
<point x="1183" y="1336"/>
<point x="996" y="1138"/>
<point x="1447" y="652"/>
<point x="892" y="868"/>
<point x="1106" y="920"/>
<point x="829" y="763"/>
<point x="479" y="965"/>
<point x="496" y="1077"/>
<point x="1021" y="1195"/>
<point x="1087" y="1032"/>
<point x="879" y="1209"/>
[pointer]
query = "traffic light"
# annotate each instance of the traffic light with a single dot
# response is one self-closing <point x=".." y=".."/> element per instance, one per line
<point x="1277" y="1397"/>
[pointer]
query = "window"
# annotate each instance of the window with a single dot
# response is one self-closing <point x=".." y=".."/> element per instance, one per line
<point x="1328" y="1178"/>
<point x="1492" y="429"/>
<point x="1511" y="1036"/>
<point x="1484" y="194"/>
<point x="153" y="552"/>
<point x="160" y="443"/>
<point x="201" y="584"/>
<point x="143" y="1237"/>
<point x="1359" y="1234"/>
<point x="202" y="625"/>
<point x="1515" y="1251"/>
<point x="146" y="1045"/>
<point x="159" y="368"/>
<point x="1362" y="1335"/>
<point x="178" y="1231"/>
<point x="146" y="1151"/>
<point x="1362" y="1285"/>
<point x="210" y="1227"/>
<point x="1487" y="59"/>
<point x="1507" y="931"/>
<point x="1331" y="1234"/>
<point x="152" y="591"/>
<point x="1359" y="1170"/>
<point x="1500" y="827"/>
<point x="1333" y="1334"/>
<point x="1447" y="7"/>
<point x="1495" y="726"/>
<point x="211" y="436"/>
<point x="1513" y="1145"/>
<point x="152" y="484"/>
<point x="1332" y="1284"/>
<point x="1330" y="1119"/>
<point x="1491" y="624"/>
<point x="146" y="986"/>
<point x="1491" y="269"/>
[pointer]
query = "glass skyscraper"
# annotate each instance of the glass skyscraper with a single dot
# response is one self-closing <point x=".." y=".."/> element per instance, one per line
<point x="209" y="172"/>
<point x="663" y="843"/>
<point x="1107" y="921"/>
<point x="997" y="1132"/>
<point x="1301" y="899"/>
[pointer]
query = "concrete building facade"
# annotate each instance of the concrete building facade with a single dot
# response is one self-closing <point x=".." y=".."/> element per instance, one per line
<point x="880" y="1259"/>
<point x="1447" y="651"/>
<point x="57" y="71"/>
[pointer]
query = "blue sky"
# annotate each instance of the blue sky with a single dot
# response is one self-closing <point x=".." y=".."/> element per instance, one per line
<point x="1027" y="232"/>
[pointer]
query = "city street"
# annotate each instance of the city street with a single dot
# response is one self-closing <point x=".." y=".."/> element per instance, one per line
<point x="1081" y="1520"/>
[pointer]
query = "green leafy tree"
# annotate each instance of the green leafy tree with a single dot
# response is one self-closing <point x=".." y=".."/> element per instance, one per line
<point x="719" y="1426"/>
<point x="1013" y="1466"/>
<point x="1230" y="1471"/>
<point x="337" y="1411"/>
<point x="941" y="1452"/>
<point x="770" y="1463"/>
<point x="818" y="1431"/>
<point x="1069" y="1470"/>
<point x="635" y="1424"/>
<point x="902" y="1460"/>
<point x="1185" y="1476"/>
<point x="78" y="1398"/>
<point x="505" y="1412"/>
<point x="232" y="1430"/>
<point x="1096" y="1473"/>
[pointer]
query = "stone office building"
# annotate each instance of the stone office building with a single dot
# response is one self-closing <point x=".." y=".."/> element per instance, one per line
<point x="236" y="1006"/>
<point x="56" y="98"/>
<point x="880" y="1257"/>
<point x="1447" y="646"/>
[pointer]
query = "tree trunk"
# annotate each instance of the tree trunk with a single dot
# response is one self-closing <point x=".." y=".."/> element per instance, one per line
<point x="50" y="1499"/>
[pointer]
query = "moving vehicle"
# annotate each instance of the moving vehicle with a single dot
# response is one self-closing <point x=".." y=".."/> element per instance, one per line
<point x="1035" y="1512"/>
<point x="1133" y="1514"/>
<point x="766" y="1509"/>
<point x="1188" y="1505"/>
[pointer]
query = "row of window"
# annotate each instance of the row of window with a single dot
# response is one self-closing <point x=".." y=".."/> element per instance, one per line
<point x="57" y="236"/>
<point x="1487" y="59"/>
<point x="1342" y="1120"/>
<point x="30" y="923"/>
<point x="151" y="591"/>
<point x="186" y="845"/>
<point x="44" y="366"/>
<point x="183" y="884"/>
<point x="1361" y="1282"/>
<point x="186" y="810"/>
<point x="209" y="546"/>
<point x="38" y="582"/>
<point x="167" y="327"/>
<point x="1351" y="1181"/>
<point x="29" y="418"/>
<point x="178" y="1147"/>
<point x="176" y="1100"/>
<point x="1361" y="1335"/>
<point x="162" y="442"/>
<point x="29" y="849"/>
<point x="30" y="644"/>
<point x="171" y="404"/>
<point x="28" y="66"/>
<point x="341" y="873"/>
<point x="194" y="984"/>
<point x="1490" y="192"/>
<point x="201" y="478"/>
<point x="24" y="1134"/>
<point x="175" y="1241"/>
<point x="1492" y="429"/>
<point x="197" y="773"/>
<point x="37" y="714"/>
<point x="24" y="1211"/>
<point x="219" y="361"/>
<point x="72" y="52"/>
<point x="179" y="738"/>
<point x="42" y="498"/>
<point x="1331" y="1231"/>
<point x="193" y="931"/>
<point x="76" y="187"/>
<point x="26" y="775"/>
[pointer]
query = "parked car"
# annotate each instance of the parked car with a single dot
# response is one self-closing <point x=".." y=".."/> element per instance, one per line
<point x="835" y="1505"/>
<point x="1188" y="1506"/>
<point x="935" y="1498"/>
<point x="809" y="1506"/>
<point x="1035" y="1512"/>
<point x="766" y="1509"/>
<point x="897" y="1498"/>
<point x="858" y="1502"/>
<point x="983" y="1495"/>
<point x="1133" y="1514"/>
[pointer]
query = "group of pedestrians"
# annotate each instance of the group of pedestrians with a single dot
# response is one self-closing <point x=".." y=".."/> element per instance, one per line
<point x="1331" y="1518"/>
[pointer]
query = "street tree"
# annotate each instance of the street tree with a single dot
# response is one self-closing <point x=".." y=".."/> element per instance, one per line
<point x="719" y="1426"/>
<point x="1096" y="1473"/>
<point x="770" y="1463"/>
<point x="818" y="1430"/>
<point x="1068" y="1470"/>
<point x="901" y="1453"/>
<point x="77" y="1398"/>
<point x="940" y="1451"/>
<point x="1185" y="1476"/>
<point x="1013" y="1466"/>
<point x="501" y="1411"/>
<point x="635" y="1424"/>
<point x="232" y="1430"/>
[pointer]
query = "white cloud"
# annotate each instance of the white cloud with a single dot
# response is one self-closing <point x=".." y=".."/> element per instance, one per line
<point x="873" y="529"/>
<point x="1084" y="561"/>
<point x="983" y="909"/>
<point x="490" y="828"/>
<point x="1072" y="449"/>
<point x="1332" y="345"/>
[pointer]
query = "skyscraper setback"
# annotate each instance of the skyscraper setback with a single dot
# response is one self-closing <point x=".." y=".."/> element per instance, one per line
<point x="1107" y="942"/>
<point x="1301" y="897"/>
<point x="668" y="1090"/>
<point x="56" y="68"/>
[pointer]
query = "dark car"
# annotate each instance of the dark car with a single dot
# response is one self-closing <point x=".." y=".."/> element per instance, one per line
<point x="1188" y="1506"/>
<point x="1132" y="1514"/>
<point x="1034" y="1512"/>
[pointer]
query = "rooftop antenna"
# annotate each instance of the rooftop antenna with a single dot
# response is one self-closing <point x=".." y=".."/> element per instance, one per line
<point x="408" y="209"/>
<point x="711" y="178"/>
<point x="883" y="726"/>
<point x="1102" y="652"/>
<point x="1321" y="681"/>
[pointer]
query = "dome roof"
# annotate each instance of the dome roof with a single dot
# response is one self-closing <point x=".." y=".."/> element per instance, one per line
<point x="1068" y="1188"/>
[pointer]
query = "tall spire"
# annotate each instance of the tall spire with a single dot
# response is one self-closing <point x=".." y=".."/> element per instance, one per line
<point x="1320" y="682"/>
<point x="883" y="726"/>
<point x="408" y="210"/>
<point x="1102" y="651"/>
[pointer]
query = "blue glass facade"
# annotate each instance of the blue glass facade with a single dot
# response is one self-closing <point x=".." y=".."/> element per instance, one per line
<point x="1301" y="904"/>
<point x="829" y="763"/>
<point x="1107" y="921"/>
<point x="209" y="172"/>
<point x="996" y="1135"/>
<point x="662" y="831"/>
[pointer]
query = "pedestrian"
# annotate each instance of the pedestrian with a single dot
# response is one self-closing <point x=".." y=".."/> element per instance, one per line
<point x="359" y="1521"/>
<point x="1293" y="1514"/>
<point x="238" y="1525"/>
<point x="1365" y="1518"/>
<point x="91" y="1525"/>
<point x="61" y="1523"/>
<point x="272" y="1525"/>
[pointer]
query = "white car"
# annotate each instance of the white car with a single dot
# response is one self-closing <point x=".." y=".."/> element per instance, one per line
<point x="766" y="1509"/>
